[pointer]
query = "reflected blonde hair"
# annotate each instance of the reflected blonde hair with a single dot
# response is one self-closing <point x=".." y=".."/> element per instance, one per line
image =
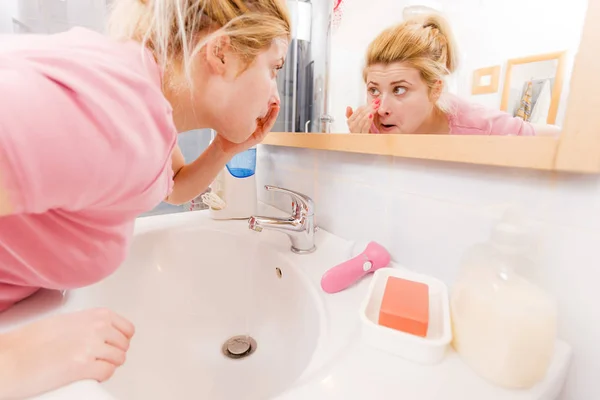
<point x="176" y="30"/>
<point x="425" y="43"/>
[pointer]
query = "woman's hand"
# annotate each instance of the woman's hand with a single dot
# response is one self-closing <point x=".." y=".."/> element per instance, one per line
<point x="62" y="349"/>
<point x="361" y="120"/>
<point x="193" y="179"/>
<point x="263" y="128"/>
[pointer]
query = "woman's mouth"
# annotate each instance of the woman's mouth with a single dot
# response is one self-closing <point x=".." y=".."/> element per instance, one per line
<point x="387" y="127"/>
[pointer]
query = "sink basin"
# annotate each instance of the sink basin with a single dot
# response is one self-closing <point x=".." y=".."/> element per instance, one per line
<point x="191" y="283"/>
<point x="189" y="291"/>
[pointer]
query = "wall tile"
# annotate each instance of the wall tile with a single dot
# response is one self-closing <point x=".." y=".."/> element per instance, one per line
<point x="462" y="183"/>
<point x="366" y="168"/>
<point x="302" y="181"/>
<point x="353" y="210"/>
<point x="430" y="236"/>
<point x="569" y="270"/>
<point x="287" y="158"/>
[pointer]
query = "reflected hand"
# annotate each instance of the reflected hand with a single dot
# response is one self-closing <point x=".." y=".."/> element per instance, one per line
<point x="264" y="126"/>
<point x="361" y="120"/>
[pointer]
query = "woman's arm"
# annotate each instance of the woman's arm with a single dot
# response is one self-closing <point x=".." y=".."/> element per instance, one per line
<point x="546" y="130"/>
<point x="193" y="179"/>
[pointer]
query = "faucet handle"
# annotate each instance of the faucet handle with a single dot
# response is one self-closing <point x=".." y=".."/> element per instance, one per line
<point x="302" y="204"/>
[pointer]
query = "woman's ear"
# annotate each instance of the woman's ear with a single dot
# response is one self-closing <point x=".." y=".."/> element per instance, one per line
<point x="436" y="90"/>
<point x="217" y="53"/>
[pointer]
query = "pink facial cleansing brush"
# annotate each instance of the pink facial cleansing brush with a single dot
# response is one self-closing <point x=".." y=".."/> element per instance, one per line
<point x="347" y="273"/>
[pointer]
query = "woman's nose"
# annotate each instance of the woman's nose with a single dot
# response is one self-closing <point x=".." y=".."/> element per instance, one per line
<point x="275" y="100"/>
<point x="383" y="108"/>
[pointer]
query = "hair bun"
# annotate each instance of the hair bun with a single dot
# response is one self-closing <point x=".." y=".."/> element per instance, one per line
<point x="438" y="22"/>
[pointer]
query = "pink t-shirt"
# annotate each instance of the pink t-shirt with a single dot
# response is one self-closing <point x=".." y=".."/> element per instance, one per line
<point x="466" y="118"/>
<point x="86" y="137"/>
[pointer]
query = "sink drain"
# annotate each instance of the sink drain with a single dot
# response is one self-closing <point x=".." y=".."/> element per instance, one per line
<point x="239" y="346"/>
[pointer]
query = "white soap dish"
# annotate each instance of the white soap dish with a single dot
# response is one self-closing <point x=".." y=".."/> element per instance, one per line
<point x="424" y="350"/>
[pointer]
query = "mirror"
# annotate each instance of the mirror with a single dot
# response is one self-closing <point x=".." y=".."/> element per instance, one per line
<point x="526" y="74"/>
<point x="301" y="83"/>
<point x="513" y="66"/>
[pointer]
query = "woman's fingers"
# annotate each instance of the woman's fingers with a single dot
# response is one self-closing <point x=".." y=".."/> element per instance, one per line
<point x="266" y="124"/>
<point x="349" y="112"/>
<point x="111" y="354"/>
<point x="364" y="112"/>
<point x="355" y="121"/>
<point x="366" y="124"/>
<point x="100" y="370"/>
<point x="116" y="338"/>
<point x="363" y="118"/>
<point x="270" y="119"/>
<point x="123" y="325"/>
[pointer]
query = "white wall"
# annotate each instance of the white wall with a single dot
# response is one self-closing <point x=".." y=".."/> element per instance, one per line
<point x="7" y="10"/>
<point x="488" y="33"/>
<point x="51" y="16"/>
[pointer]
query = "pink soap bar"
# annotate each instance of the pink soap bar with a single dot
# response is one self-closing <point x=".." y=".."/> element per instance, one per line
<point x="405" y="306"/>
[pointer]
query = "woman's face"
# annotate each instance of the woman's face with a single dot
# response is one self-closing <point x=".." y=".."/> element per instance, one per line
<point x="405" y="100"/>
<point x="239" y="100"/>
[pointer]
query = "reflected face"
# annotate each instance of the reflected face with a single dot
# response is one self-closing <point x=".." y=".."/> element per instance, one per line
<point x="406" y="103"/>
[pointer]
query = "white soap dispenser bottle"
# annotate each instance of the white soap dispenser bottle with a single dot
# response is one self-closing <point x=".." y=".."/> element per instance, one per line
<point x="233" y="192"/>
<point x="504" y="326"/>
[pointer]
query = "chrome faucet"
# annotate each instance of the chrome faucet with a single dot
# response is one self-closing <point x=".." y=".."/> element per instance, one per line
<point x="300" y="226"/>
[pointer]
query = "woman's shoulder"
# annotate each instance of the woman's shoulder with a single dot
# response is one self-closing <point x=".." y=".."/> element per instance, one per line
<point x="67" y="55"/>
<point x="99" y="110"/>
<point x="106" y="77"/>
<point x="470" y="118"/>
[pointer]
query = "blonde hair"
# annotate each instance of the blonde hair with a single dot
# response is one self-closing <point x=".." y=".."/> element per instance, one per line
<point x="425" y="43"/>
<point x="175" y="30"/>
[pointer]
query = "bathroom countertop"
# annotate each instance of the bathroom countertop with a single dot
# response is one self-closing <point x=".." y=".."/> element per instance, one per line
<point x="347" y="368"/>
<point x="366" y="373"/>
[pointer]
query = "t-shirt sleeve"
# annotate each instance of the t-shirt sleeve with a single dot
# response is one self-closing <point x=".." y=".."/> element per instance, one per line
<point x="502" y="123"/>
<point x="50" y="151"/>
<point x="469" y="118"/>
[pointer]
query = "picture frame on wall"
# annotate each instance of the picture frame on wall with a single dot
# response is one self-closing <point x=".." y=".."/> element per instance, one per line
<point x="486" y="80"/>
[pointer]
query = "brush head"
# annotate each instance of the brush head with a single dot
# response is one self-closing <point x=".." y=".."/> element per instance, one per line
<point x="377" y="255"/>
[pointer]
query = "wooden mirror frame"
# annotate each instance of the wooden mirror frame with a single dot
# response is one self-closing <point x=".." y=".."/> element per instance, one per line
<point x="576" y="150"/>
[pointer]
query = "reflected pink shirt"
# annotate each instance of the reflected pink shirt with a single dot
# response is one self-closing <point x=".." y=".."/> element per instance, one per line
<point x="466" y="118"/>
<point x="86" y="137"/>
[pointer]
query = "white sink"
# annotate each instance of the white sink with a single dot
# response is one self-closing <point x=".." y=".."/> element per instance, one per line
<point x="190" y="283"/>
<point x="189" y="291"/>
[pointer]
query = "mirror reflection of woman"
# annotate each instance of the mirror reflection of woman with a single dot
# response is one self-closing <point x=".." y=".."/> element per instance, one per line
<point x="405" y="70"/>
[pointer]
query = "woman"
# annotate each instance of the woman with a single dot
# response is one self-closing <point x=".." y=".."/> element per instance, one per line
<point x="405" y="70"/>
<point x="88" y="128"/>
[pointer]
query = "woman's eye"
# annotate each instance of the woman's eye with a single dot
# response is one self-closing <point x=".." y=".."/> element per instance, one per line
<point x="277" y="69"/>
<point x="399" y="90"/>
<point x="373" y="91"/>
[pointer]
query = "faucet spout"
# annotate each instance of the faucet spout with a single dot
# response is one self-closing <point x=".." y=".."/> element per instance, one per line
<point x="299" y="227"/>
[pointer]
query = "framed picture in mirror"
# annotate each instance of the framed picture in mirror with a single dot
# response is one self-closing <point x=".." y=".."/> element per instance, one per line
<point x="533" y="86"/>
<point x="486" y="80"/>
<point x="412" y="85"/>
